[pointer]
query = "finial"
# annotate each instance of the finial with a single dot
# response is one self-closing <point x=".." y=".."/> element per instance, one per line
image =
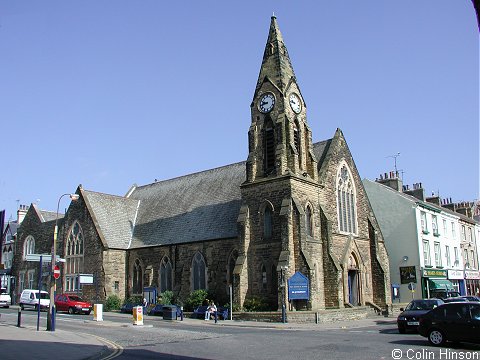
<point x="273" y="15"/>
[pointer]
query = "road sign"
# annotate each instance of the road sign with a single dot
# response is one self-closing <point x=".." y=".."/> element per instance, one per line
<point x="56" y="272"/>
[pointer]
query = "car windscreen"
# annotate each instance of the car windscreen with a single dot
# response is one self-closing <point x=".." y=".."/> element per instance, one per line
<point x="422" y="305"/>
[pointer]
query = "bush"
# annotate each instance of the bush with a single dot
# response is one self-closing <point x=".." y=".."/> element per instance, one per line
<point x="256" y="303"/>
<point x="168" y="298"/>
<point x="196" y="298"/>
<point x="113" y="303"/>
<point x="135" y="300"/>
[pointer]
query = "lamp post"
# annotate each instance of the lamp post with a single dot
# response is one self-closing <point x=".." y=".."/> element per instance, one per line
<point x="283" y="285"/>
<point x="53" y="283"/>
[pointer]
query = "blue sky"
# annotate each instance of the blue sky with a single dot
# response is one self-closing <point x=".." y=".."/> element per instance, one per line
<point x="111" y="93"/>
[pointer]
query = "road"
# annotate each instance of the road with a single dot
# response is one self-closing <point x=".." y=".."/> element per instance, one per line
<point x="197" y="339"/>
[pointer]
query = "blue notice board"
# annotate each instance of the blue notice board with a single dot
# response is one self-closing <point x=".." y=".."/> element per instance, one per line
<point x="298" y="288"/>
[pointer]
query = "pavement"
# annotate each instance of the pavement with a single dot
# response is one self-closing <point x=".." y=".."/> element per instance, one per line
<point x="26" y="342"/>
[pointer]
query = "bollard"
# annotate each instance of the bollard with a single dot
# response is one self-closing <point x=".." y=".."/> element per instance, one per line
<point x="216" y="316"/>
<point x="181" y="313"/>
<point x="19" y="317"/>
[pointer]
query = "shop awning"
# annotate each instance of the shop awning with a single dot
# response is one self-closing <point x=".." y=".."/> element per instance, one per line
<point x="440" y="284"/>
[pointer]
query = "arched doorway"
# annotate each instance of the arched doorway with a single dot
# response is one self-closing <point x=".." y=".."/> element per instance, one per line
<point x="353" y="276"/>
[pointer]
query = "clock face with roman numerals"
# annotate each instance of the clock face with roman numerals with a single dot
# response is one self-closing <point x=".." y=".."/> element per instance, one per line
<point x="266" y="103"/>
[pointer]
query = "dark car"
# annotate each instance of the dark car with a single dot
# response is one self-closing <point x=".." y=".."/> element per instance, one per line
<point x="456" y="321"/>
<point x="158" y="310"/>
<point x="72" y="304"/>
<point x="456" y="299"/>
<point x="409" y="317"/>
<point x="199" y="312"/>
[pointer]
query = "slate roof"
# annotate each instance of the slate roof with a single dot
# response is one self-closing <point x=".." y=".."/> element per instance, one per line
<point x="114" y="215"/>
<point x="49" y="215"/>
<point x="195" y="207"/>
<point x="320" y="150"/>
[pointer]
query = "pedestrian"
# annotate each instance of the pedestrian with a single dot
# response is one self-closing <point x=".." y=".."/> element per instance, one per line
<point x="212" y="309"/>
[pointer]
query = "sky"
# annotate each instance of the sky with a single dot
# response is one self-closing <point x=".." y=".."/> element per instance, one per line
<point x="108" y="94"/>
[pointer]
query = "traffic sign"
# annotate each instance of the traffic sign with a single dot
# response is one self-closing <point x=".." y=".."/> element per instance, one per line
<point x="56" y="272"/>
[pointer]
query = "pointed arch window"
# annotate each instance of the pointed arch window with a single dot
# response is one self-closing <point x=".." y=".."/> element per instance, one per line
<point x="74" y="258"/>
<point x="296" y="136"/>
<point x="28" y="246"/>
<point x="274" y="280"/>
<point x="231" y="267"/>
<point x="267" y="223"/>
<point x="269" y="147"/>
<point x="264" y="278"/>
<point x="198" y="272"/>
<point x="346" y="202"/>
<point x="309" y="221"/>
<point x="166" y="275"/>
<point x="137" y="283"/>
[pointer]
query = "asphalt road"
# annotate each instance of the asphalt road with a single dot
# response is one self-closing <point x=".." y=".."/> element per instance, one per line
<point x="197" y="339"/>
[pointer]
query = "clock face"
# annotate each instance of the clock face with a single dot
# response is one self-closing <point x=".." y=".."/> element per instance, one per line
<point x="295" y="103"/>
<point x="266" y="103"/>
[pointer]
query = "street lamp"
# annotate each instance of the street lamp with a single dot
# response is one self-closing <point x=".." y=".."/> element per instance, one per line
<point x="283" y="284"/>
<point x="53" y="283"/>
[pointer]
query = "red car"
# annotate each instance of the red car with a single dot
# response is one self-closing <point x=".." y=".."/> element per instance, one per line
<point x="72" y="304"/>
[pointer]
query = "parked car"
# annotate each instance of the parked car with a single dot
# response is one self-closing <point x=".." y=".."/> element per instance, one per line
<point x="5" y="299"/>
<point x="199" y="312"/>
<point x="127" y="308"/>
<point x="31" y="298"/>
<point x="157" y="310"/>
<point x="456" y="321"/>
<point x="73" y="304"/>
<point x="409" y="317"/>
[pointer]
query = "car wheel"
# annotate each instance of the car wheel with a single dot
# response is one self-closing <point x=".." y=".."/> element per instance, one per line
<point x="70" y="311"/>
<point x="36" y="307"/>
<point x="22" y="307"/>
<point x="436" y="337"/>
<point x="402" y="330"/>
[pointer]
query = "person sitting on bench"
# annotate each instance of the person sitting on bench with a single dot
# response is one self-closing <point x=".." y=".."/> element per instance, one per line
<point x="212" y="309"/>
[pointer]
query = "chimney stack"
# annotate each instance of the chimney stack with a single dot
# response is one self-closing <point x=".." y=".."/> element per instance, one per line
<point x="21" y="212"/>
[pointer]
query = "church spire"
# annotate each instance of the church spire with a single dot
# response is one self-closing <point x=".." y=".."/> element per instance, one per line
<point x="276" y="65"/>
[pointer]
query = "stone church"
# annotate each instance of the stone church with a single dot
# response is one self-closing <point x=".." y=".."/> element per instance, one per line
<point x="293" y="206"/>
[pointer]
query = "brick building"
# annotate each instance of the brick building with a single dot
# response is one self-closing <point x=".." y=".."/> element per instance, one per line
<point x="292" y="206"/>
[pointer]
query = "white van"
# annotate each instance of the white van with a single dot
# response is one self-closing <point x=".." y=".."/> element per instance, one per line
<point x="29" y="298"/>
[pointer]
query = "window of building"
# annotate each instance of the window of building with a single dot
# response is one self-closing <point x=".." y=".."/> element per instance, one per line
<point x="137" y="278"/>
<point x="423" y="221"/>
<point x="309" y="221"/>
<point x="198" y="271"/>
<point x="116" y="286"/>
<point x="296" y="137"/>
<point x="472" y="259"/>
<point x="264" y="277"/>
<point x="267" y="223"/>
<point x="232" y="260"/>
<point x="269" y="147"/>
<point x="274" y="280"/>
<point x="465" y="258"/>
<point x="470" y="234"/>
<point x="435" y="225"/>
<point x="455" y="253"/>
<point x="31" y="279"/>
<point x="464" y="235"/>
<point x="346" y="202"/>
<point x="165" y="275"/>
<point x="73" y="258"/>
<point x="438" y="255"/>
<point x="444" y="227"/>
<point x="454" y="235"/>
<point x="447" y="255"/>
<point x="426" y="252"/>
<point x="28" y="246"/>
<point x="21" y="280"/>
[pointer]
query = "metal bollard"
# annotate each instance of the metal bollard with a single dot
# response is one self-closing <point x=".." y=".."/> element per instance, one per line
<point x="19" y="317"/>
<point x="181" y="313"/>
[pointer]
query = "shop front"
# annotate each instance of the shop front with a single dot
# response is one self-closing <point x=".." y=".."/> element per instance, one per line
<point x="456" y="277"/>
<point x="472" y="282"/>
<point x="435" y="283"/>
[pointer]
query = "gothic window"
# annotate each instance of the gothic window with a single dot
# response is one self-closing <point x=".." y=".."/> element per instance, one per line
<point x="309" y="221"/>
<point x="74" y="257"/>
<point x="269" y="147"/>
<point x="347" y="221"/>
<point x="137" y="286"/>
<point x="274" y="280"/>
<point x="231" y="266"/>
<point x="28" y="246"/>
<point x="267" y="223"/>
<point x="296" y="137"/>
<point x="264" y="278"/>
<point x="198" y="272"/>
<point x="165" y="275"/>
